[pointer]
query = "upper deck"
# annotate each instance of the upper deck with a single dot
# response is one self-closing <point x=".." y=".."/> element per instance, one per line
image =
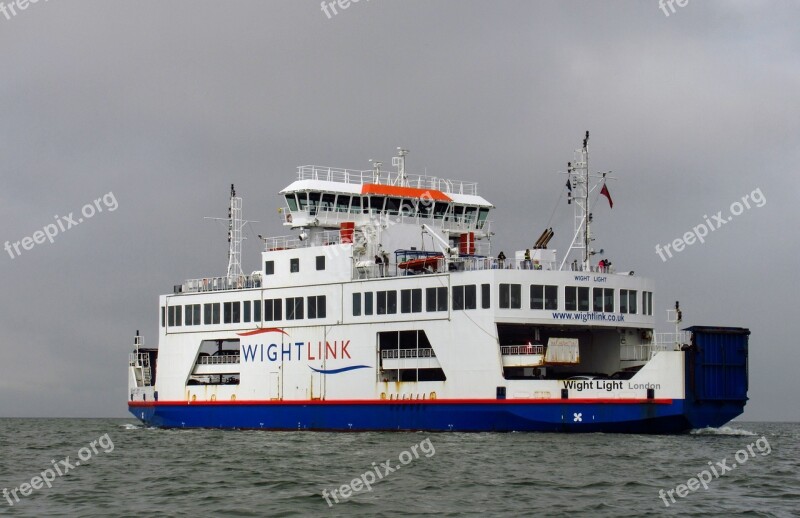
<point x="378" y="177"/>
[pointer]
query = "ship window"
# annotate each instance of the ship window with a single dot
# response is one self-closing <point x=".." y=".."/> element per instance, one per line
<point x="458" y="298"/>
<point x="294" y="308"/>
<point x="211" y="313"/>
<point x="256" y="311"/>
<point x="231" y="312"/>
<point x="458" y="213"/>
<point x="436" y="299"/>
<point x="537" y="296"/>
<point x="465" y="297"/>
<point x="647" y="302"/>
<point x="387" y="302"/>
<point x="269" y="267"/>
<point x="356" y="304"/>
<point x="608" y="300"/>
<point x="425" y="207"/>
<point x="313" y="202"/>
<point x="174" y="316"/>
<point x="291" y="201"/>
<point x="411" y="301"/>
<point x="597" y="299"/>
<point x="302" y="199"/>
<point x="486" y="296"/>
<point x="408" y="207"/>
<point x="294" y="265"/>
<point x="376" y="203"/>
<point x="632" y="302"/>
<point x="163" y="316"/>
<point x="570" y="298"/>
<point x="511" y="296"/>
<point x="439" y="210"/>
<point x="317" y="307"/>
<point x="551" y="297"/>
<point x="327" y="202"/>
<point x="272" y="310"/>
<point x="320" y="262"/>
<point x="583" y="298"/>
<point x="247" y="313"/>
<point x="623" y="301"/>
<point x="355" y="208"/>
<point x="483" y="214"/>
<point x="392" y="206"/>
<point x="343" y="203"/>
<point x="192" y="315"/>
<point x="368" y="303"/>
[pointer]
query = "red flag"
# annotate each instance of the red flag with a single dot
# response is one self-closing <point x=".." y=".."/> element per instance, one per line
<point x="604" y="192"/>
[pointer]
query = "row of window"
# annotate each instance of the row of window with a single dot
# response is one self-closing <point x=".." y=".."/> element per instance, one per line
<point x="244" y="311"/>
<point x="385" y="302"/>
<point x="576" y="298"/>
<point x="315" y="202"/>
<point x="294" y="265"/>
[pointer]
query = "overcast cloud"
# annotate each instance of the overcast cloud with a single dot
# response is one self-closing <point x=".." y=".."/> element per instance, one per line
<point x="165" y="104"/>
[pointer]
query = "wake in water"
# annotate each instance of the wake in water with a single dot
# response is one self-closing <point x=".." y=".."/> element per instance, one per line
<point x="724" y="430"/>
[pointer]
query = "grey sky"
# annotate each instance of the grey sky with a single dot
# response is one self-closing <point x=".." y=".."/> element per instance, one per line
<point x="167" y="103"/>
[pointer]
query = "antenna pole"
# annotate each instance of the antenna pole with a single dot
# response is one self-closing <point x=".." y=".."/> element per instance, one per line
<point x="587" y="215"/>
<point x="235" y="225"/>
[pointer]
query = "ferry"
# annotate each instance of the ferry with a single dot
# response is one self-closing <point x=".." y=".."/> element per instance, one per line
<point x="389" y="308"/>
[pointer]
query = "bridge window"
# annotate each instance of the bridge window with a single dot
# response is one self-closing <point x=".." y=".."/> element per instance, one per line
<point x="256" y="311"/>
<point x="583" y="298"/>
<point x="192" y="315"/>
<point x="486" y="296"/>
<point x="291" y="201"/>
<point x="269" y="267"/>
<point x="408" y="207"/>
<point x="163" y="316"/>
<point x="294" y="265"/>
<point x="211" y="313"/>
<point x="603" y="300"/>
<point x="356" y="304"/>
<point x="302" y="199"/>
<point x="320" y="262"/>
<point x="294" y="308"/>
<point x="327" y="202"/>
<point x="317" y="307"/>
<point x="376" y="203"/>
<point x="231" y="312"/>
<point x="343" y="203"/>
<point x="393" y="206"/>
<point x="511" y="296"/>
<point x="313" y="202"/>
<point x="436" y="299"/>
<point x="647" y="302"/>
<point x="355" y="208"/>
<point x="272" y="310"/>
<point x="571" y="298"/>
<point x="440" y="209"/>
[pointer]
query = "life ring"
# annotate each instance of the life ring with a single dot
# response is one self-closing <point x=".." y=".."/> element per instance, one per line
<point x="213" y="397"/>
<point x="194" y="397"/>
<point x="233" y="397"/>
<point x="288" y="218"/>
<point x="433" y="395"/>
<point x="383" y="395"/>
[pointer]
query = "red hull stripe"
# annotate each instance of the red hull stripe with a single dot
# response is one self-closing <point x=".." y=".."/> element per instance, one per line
<point x="409" y="401"/>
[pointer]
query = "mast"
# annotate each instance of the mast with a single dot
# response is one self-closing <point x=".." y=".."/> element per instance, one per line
<point x="235" y="225"/>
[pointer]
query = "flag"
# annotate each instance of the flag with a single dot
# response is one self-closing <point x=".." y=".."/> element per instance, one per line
<point x="569" y="185"/>
<point x="604" y="192"/>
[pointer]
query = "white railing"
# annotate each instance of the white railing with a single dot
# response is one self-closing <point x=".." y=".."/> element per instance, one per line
<point x="221" y="283"/>
<point x="326" y="238"/>
<point x="354" y="176"/>
<point x="670" y="341"/>
<point x="506" y="350"/>
<point x="225" y="359"/>
<point x="408" y="353"/>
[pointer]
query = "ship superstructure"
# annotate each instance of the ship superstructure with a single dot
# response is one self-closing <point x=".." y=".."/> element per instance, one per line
<point x="388" y="309"/>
